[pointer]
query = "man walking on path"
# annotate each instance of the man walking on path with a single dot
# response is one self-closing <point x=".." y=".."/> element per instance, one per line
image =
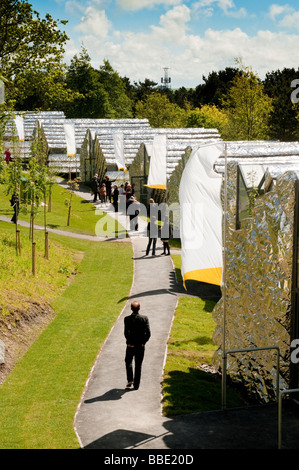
<point x="137" y="333"/>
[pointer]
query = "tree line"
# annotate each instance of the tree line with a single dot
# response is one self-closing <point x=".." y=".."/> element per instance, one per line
<point x="234" y="100"/>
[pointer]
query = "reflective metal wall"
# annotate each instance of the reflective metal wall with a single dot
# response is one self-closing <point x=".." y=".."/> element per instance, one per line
<point x="258" y="287"/>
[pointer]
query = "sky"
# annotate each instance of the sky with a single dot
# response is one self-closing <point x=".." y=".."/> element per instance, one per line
<point x="184" y="38"/>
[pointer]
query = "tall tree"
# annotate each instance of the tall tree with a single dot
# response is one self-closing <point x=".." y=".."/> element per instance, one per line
<point x="30" y="47"/>
<point x="160" y="111"/>
<point x="114" y="86"/>
<point x="90" y="99"/>
<point x="284" y="124"/>
<point x="215" y="86"/>
<point x="248" y="107"/>
<point x="143" y="89"/>
<point x="183" y="96"/>
<point x="209" y="117"/>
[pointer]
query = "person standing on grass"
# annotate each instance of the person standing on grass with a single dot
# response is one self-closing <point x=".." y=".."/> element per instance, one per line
<point x="14" y="202"/>
<point x="137" y="333"/>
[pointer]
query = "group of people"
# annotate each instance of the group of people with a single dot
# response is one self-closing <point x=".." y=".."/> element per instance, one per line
<point x="105" y="192"/>
<point x="101" y="190"/>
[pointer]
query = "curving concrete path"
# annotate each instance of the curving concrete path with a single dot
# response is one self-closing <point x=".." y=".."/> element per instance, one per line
<point x="109" y="415"/>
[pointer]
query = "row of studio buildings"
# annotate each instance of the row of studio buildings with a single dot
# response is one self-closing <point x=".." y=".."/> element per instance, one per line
<point x="260" y="217"/>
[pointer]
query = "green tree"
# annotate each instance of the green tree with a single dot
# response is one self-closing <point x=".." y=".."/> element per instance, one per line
<point x="248" y="108"/>
<point x="47" y="89"/>
<point x="208" y="116"/>
<point x="73" y="186"/>
<point x="13" y="178"/>
<point x="90" y="99"/>
<point x="138" y="91"/>
<point x="182" y="95"/>
<point x="215" y="86"/>
<point x="31" y="52"/>
<point x="115" y="87"/>
<point x="160" y="112"/>
<point x="283" y="120"/>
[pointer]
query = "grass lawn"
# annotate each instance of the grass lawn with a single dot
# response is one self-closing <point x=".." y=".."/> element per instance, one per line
<point x="84" y="218"/>
<point x="187" y="388"/>
<point x="16" y="280"/>
<point x="39" y="398"/>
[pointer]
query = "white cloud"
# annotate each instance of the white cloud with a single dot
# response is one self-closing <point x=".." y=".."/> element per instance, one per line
<point x="139" y="4"/>
<point x="276" y="10"/>
<point x="227" y="6"/>
<point x="188" y="56"/>
<point x="73" y="7"/>
<point x="173" y="25"/>
<point x="290" y="21"/>
<point x="285" y="16"/>
<point x="94" y="22"/>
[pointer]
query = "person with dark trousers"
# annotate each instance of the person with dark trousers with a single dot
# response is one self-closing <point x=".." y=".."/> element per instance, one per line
<point x="14" y="202"/>
<point x="152" y="233"/>
<point x="115" y="198"/>
<point x="95" y="186"/>
<point x="137" y="333"/>
<point x="108" y="183"/>
<point x="165" y="235"/>
<point x="133" y="211"/>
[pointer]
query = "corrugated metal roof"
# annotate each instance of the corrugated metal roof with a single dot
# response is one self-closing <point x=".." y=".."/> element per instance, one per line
<point x="30" y="120"/>
<point x="260" y="158"/>
<point x="177" y="142"/>
<point x="260" y="153"/>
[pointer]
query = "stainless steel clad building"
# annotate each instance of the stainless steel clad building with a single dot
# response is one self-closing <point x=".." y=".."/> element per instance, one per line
<point x="262" y="282"/>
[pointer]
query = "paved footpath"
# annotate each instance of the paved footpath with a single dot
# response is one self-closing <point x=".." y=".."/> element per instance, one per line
<point x="109" y="415"/>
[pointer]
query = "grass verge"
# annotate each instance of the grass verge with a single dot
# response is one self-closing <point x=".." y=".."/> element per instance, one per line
<point x="84" y="218"/>
<point x="186" y="387"/>
<point x="39" y="398"/>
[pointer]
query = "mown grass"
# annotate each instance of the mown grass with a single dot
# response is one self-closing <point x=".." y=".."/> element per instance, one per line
<point x="17" y="284"/>
<point x="84" y="218"/>
<point x="186" y="387"/>
<point x="39" y="398"/>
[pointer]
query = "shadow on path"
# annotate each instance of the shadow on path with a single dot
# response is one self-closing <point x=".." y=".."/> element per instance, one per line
<point x="125" y="439"/>
<point x="114" y="394"/>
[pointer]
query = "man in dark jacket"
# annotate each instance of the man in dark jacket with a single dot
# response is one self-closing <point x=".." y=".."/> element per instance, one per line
<point x="15" y="203"/>
<point x="95" y="186"/>
<point x="137" y="333"/>
<point x="115" y="198"/>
